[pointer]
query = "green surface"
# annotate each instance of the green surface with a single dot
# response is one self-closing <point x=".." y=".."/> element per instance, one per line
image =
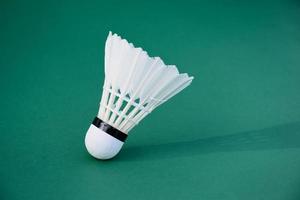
<point x="233" y="134"/>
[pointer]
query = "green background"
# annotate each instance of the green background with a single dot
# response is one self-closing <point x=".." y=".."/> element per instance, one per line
<point x="233" y="134"/>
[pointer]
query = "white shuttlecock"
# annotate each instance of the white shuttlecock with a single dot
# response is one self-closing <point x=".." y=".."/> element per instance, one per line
<point x="135" y="84"/>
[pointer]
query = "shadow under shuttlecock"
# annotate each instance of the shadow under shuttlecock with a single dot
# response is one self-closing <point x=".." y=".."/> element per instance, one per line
<point x="277" y="137"/>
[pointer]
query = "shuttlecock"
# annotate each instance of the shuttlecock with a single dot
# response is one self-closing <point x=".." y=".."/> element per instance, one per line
<point x="134" y="85"/>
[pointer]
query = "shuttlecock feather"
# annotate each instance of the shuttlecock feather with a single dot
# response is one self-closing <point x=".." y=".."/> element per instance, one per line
<point x="135" y="84"/>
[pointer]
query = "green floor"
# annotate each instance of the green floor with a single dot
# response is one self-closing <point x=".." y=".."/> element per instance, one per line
<point x="234" y="134"/>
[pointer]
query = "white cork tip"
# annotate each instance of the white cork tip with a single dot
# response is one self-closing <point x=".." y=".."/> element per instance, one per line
<point x="100" y="144"/>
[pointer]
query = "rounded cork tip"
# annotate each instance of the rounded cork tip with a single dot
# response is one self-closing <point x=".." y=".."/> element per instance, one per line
<point x="100" y="144"/>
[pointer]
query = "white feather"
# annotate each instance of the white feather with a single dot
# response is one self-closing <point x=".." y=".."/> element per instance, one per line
<point x="135" y="84"/>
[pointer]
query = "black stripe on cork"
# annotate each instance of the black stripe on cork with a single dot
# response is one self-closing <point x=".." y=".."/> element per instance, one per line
<point x="109" y="129"/>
